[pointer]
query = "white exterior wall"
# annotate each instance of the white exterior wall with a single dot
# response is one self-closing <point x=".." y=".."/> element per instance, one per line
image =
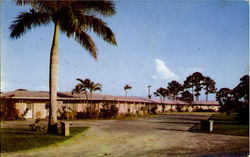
<point x="39" y="107"/>
<point x="21" y="107"/>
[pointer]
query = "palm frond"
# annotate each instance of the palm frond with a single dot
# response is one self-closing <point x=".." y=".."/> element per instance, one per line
<point x="86" y="41"/>
<point x="98" y="26"/>
<point x="27" y="20"/>
<point x="25" y="2"/>
<point x="102" y="7"/>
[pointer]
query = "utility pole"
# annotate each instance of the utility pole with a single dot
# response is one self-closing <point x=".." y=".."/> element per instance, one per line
<point x="149" y="96"/>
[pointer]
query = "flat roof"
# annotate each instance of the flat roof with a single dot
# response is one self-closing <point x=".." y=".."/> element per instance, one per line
<point x="35" y="95"/>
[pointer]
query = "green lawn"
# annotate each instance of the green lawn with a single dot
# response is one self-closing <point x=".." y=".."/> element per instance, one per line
<point x="226" y="125"/>
<point x="20" y="139"/>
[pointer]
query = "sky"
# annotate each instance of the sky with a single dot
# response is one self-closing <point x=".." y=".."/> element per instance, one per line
<point x="158" y="41"/>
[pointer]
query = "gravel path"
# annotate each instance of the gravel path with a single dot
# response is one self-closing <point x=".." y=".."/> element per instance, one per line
<point x="157" y="136"/>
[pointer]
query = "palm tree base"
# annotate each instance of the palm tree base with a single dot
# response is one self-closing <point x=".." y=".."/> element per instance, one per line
<point x="52" y="129"/>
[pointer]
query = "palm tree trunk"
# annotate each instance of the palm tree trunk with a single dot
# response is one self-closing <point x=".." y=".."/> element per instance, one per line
<point x="53" y="81"/>
<point x="206" y="97"/>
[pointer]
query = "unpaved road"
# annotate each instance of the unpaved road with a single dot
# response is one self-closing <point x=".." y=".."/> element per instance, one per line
<point x="157" y="136"/>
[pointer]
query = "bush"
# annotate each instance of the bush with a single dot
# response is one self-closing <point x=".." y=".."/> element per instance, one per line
<point x="154" y="109"/>
<point x="178" y="108"/>
<point x="8" y="110"/>
<point x="242" y="114"/>
<point x="203" y="110"/>
<point x="108" y="111"/>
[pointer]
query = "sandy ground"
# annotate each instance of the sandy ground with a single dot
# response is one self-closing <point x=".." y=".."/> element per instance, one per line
<point x="157" y="136"/>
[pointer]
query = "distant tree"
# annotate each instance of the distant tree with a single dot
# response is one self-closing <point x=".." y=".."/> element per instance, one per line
<point x="209" y="86"/>
<point x="88" y="86"/>
<point x="82" y="87"/>
<point x="241" y="91"/>
<point x="224" y="96"/>
<point x="194" y="82"/>
<point x="75" y="19"/>
<point x="161" y="93"/>
<point x="174" y="89"/>
<point x="78" y="90"/>
<point x="126" y="87"/>
<point x="186" y="96"/>
<point x="241" y="94"/>
<point x="236" y="100"/>
<point x="92" y="87"/>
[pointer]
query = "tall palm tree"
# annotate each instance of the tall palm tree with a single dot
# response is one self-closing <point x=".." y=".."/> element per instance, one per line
<point x="126" y="87"/>
<point x="209" y="86"/>
<point x="75" y="19"/>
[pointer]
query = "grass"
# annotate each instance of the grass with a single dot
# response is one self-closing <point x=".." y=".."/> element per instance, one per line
<point x="225" y="125"/>
<point x="21" y="139"/>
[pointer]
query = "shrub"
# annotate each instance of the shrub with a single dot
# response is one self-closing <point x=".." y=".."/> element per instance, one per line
<point x="154" y="109"/>
<point x="108" y="111"/>
<point x="67" y="113"/>
<point x="178" y="108"/>
<point x="203" y="110"/>
<point x="242" y="114"/>
<point x="8" y="109"/>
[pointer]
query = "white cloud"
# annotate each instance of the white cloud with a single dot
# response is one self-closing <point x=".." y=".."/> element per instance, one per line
<point x="163" y="72"/>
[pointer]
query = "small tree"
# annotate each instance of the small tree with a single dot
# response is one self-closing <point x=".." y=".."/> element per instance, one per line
<point x="162" y="93"/>
<point x="8" y="109"/>
<point x="126" y="87"/>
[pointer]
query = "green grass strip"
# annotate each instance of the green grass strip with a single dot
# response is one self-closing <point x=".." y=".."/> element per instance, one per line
<point x="22" y="139"/>
<point x="225" y="125"/>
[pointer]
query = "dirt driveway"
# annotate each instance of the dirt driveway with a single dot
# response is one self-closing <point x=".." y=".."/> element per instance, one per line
<point x="157" y="136"/>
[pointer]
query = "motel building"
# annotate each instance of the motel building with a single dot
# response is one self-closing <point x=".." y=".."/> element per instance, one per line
<point x="38" y="101"/>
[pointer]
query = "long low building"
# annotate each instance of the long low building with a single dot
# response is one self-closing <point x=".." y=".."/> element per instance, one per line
<point x="38" y="101"/>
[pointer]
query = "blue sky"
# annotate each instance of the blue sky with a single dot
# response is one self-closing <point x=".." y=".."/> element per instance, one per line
<point x="158" y="41"/>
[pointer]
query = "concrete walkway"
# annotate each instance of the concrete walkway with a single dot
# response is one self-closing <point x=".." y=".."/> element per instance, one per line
<point x="157" y="136"/>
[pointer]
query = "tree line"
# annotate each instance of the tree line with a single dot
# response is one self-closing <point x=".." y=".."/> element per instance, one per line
<point x="194" y="83"/>
<point x="236" y="100"/>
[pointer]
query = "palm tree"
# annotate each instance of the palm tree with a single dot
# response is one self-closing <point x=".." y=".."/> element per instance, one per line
<point x="209" y="86"/>
<point x="94" y="87"/>
<point x="79" y="89"/>
<point x="84" y="84"/>
<point x="126" y="87"/>
<point x="74" y="18"/>
<point x="89" y="86"/>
